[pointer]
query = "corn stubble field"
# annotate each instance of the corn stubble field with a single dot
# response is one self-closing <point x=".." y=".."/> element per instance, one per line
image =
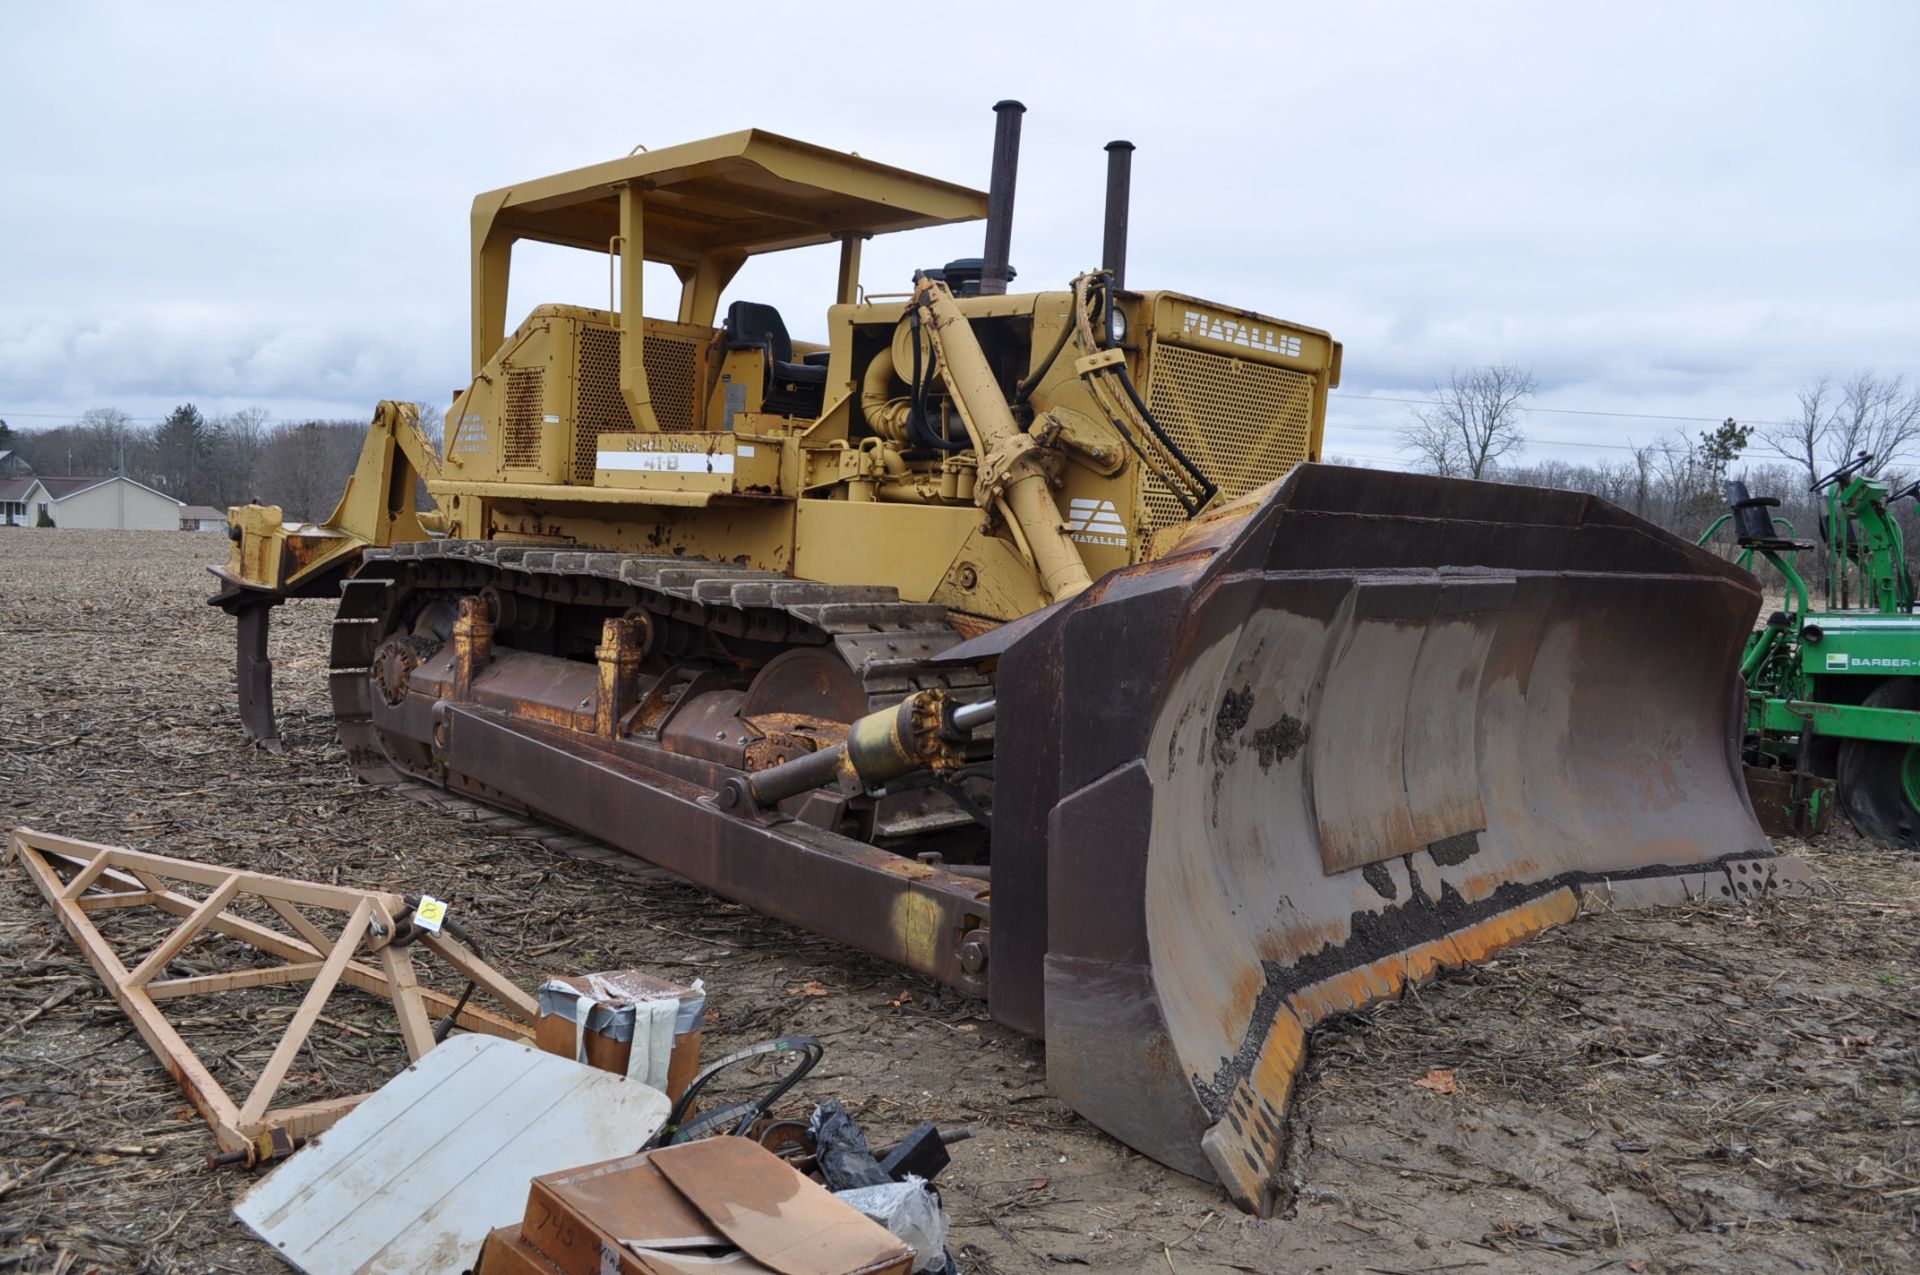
<point x="1712" y="1088"/>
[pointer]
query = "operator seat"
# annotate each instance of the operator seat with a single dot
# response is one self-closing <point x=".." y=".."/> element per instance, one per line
<point x="792" y="389"/>
<point x="1752" y="525"/>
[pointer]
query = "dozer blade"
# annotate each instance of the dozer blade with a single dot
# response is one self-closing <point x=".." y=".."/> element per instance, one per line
<point x="1353" y="728"/>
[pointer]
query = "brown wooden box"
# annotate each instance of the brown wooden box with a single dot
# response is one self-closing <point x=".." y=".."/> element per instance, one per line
<point x="506" y="1253"/>
<point x="672" y="1211"/>
<point x="554" y="1032"/>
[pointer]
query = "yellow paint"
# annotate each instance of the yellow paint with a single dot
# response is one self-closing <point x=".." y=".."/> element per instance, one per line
<point x="1057" y="497"/>
<point x="915" y="923"/>
<point x="375" y="509"/>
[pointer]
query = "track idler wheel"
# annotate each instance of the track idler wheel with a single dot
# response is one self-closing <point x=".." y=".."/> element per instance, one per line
<point x="1880" y="782"/>
<point x="394" y="662"/>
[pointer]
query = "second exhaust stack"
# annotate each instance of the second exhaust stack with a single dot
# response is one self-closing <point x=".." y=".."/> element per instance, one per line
<point x="1113" y="240"/>
<point x="1006" y="164"/>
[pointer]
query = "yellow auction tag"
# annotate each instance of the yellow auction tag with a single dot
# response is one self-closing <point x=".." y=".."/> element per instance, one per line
<point x="430" y="913"/>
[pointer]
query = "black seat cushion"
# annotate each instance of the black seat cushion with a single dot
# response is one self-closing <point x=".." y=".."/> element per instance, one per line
<point x="802" y="373"/>
<point x="1752" y="524"/>
<point x="793" y="389"/>
<point x="750" y="324"/>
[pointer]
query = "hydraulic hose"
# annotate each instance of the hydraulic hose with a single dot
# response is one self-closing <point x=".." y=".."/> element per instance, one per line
<point x="983" y="406"/>
<point x="736" y="1118"/>
<point x="918" y="431"/>
<point x="1045" y="365"/>
<point x="1204" y="489"/>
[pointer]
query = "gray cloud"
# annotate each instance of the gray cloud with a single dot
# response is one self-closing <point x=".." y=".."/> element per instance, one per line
<point x="1665" y="210"/>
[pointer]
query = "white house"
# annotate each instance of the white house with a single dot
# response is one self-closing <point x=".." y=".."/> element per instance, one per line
<point x="203" y="518"/>
<point x="115" y="503"/>
<point x="13" y="501"/>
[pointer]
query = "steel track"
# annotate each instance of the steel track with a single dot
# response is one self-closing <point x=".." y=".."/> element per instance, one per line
<point x="886" y="642"/>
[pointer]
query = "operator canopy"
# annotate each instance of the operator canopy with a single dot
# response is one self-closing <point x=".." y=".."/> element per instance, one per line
<point x="742" y="193"/>
<point x="705" y="207"/>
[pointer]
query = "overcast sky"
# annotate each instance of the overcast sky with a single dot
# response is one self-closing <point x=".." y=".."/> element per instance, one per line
<point x="1666" y="210"/>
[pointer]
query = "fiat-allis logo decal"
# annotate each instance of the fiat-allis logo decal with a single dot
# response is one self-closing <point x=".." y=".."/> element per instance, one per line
<point x="1252" y="336"/>
<point x="1095" y="522"/>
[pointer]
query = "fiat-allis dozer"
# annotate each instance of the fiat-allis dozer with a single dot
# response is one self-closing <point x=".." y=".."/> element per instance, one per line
<point x="1018" y="638"/>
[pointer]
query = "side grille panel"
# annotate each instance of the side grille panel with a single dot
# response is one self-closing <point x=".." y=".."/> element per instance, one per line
<point x="598" y="406"/>
<point x="526" y="397"/>
<point x="1242" y="423"/>
<point x="672" y="364"/>
<point x="673" y="371"/>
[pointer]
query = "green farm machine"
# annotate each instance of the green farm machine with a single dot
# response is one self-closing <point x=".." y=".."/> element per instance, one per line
<point x="1833" y="695"/>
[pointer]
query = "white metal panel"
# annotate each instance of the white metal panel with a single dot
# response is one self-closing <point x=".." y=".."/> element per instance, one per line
<point x="414" y="1177"/>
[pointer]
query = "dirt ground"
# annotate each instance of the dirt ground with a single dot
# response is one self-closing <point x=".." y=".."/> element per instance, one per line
<point x="1717" y="1088"/>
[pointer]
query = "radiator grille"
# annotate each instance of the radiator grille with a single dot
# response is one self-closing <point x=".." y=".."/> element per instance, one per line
<point x="673" y="365"/>
<point x="526" y="397"/>
<point x="598" y="406"/>
<point x="1242" y="423"/>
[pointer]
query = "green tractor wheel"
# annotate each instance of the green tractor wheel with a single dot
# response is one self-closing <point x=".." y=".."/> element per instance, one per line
<point x="1880" y="783"/>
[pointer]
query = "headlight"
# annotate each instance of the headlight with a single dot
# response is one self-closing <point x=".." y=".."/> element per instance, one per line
<point x="1117" y="323"/>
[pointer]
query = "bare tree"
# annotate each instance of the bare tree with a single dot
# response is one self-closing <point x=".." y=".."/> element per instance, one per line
<point x="433" y="423"/>
<point x="104" y="440"/>
<point x="101" y="440"/>
<point x="243" y="437"/>
<point x="1832" y="424"/>
<point x="1800" y="438"/>
<point x="1878" y="415"/>
<point x="1474" y="421"/>
<point x="1642" y="480"/>
<point x="304" y="466"/>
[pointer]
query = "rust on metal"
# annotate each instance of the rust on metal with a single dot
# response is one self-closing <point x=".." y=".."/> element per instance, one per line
<point x="782" y="737"/>
<point x="1344" y="731"/>
<point x="1355" y="728"/>
<point x="472" y="645"/>
<point x="1790" y="803"/>
<point x="914" y="914"/>
<point x="622" y="646"/>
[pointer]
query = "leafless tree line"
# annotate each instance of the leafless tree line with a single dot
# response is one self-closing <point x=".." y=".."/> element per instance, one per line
<point x="300" y="465"/>
<point x="1475" y="428"/>
<point x="1836" y="421"/>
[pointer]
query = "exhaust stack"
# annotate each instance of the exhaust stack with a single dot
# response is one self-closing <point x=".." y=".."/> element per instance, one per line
<point x="1006" y="164"/>
<point x="1113" y="239"/>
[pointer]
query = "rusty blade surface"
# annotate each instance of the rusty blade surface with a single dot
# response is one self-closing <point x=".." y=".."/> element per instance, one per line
<point x="1357" y="726"/>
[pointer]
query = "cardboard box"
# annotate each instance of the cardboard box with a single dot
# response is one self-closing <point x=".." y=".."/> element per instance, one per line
<point x="605" y="1039"/>
<point x="676" y="1210"/>
<point x="506" y="1253"/>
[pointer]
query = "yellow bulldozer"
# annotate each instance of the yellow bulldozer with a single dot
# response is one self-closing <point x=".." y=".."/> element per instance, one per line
<point x="1016" y="637"/>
